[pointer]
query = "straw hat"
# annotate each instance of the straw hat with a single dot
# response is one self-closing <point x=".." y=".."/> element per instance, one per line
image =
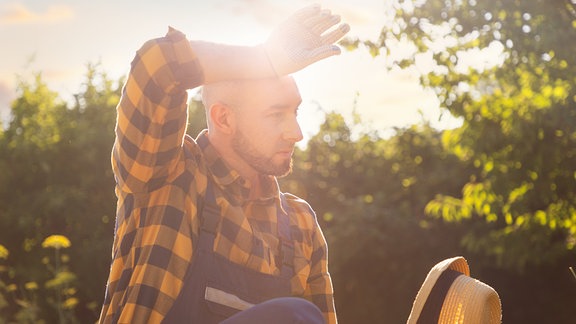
<point x="450" y="295"/>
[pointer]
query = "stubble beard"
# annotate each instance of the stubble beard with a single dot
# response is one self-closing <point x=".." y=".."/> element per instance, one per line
<point x="259" y="162"/>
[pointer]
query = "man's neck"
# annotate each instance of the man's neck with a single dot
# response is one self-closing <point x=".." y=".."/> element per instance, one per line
<point x="235" y="162"/>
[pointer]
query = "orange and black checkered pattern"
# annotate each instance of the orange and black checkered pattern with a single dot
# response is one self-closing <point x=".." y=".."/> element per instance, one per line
<point x="161" y="176"/>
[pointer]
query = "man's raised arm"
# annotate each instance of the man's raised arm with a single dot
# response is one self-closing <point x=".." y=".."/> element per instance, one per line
<point x="152" y="112"/>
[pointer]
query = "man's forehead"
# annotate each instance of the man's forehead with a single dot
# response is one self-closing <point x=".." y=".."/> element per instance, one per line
<point x="241" y="91"/>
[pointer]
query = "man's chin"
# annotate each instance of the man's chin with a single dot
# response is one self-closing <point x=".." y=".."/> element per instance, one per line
<point x="283" y="170"/>
<point x="285" y="174"/>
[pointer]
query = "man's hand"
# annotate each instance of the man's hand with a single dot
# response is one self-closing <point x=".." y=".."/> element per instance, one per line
<point x="303" y="39"/>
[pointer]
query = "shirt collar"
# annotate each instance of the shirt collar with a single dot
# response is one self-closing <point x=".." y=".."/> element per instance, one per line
<point x="235" y="186"/>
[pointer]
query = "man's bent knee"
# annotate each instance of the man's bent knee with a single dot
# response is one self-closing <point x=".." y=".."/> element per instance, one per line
<point x="298" y="309"/>
<point x="279" y="311"/>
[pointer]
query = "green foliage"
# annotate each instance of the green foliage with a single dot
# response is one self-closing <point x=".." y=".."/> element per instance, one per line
<point x="57" y="179"/>
<point x="518" y="112"/>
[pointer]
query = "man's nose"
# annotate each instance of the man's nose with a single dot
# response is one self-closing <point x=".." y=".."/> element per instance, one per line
<point x="293" y="132"/>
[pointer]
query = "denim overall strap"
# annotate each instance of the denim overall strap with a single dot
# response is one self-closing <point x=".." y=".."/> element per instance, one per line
<point x="209" y="219"/>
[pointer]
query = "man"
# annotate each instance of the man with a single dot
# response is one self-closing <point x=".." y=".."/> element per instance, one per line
<point x="203" y="233"/>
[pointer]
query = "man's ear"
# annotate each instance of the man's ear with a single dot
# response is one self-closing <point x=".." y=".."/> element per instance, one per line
<point x="223" y="118"/>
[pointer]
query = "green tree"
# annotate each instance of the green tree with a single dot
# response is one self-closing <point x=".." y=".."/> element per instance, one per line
<point x="518" y="116"/>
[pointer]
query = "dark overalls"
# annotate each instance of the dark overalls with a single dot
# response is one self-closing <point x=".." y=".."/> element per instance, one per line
<point x="216" y="288"/>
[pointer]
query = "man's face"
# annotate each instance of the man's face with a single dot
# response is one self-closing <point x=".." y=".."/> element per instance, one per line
<point x="267" y="128"/>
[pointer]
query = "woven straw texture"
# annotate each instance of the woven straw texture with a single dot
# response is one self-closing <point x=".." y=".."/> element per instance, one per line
<point x="468" y="301"/>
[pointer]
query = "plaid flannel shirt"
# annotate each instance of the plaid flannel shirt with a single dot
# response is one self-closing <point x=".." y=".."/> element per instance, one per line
<point x="161" y="175"/>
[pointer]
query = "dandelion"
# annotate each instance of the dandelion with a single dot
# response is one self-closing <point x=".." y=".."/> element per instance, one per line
<point x="3" y="252"/>
<point x="69" y="291"/>
<point x="56" y="241"/>
<point x="70" y="303"/>
<point x="31" y="285"/>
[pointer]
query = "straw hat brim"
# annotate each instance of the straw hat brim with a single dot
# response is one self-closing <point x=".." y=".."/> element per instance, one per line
<point x="466" y="299"/>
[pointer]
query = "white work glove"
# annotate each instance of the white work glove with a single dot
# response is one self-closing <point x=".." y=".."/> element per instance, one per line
<point x="304" y="39"/>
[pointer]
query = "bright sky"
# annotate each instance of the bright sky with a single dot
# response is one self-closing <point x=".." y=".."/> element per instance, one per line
<point x="60" y="37"/>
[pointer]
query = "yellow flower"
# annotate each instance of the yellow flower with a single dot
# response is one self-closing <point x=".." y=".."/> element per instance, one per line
<point x="56" y="241"/>
<point x="70" y="303"/>
<point x="12" y="287"/>
<point x="3" y="252"/>
<point x="70" y="291"/>
<point x="31" y="285"/>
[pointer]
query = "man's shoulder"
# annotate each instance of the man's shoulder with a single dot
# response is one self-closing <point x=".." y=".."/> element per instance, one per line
<point x="300" y="206"/>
